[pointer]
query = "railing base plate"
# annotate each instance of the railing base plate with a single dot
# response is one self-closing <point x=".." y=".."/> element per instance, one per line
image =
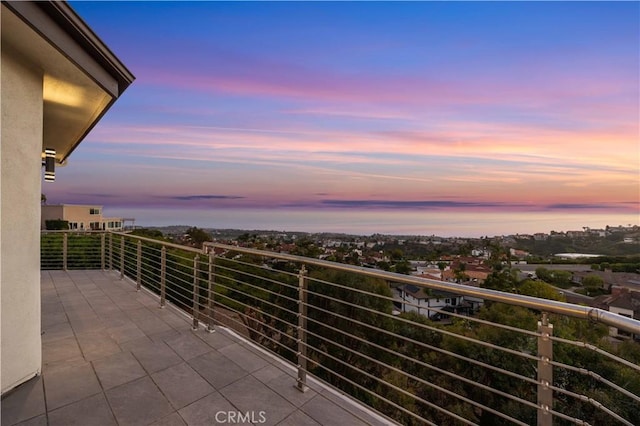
<point x="302" y="388"/>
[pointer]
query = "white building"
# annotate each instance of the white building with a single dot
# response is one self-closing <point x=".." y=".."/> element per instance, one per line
<point x="427" y="302"/>
<point x="82" y="217"/>
<point x="58" y="79"/>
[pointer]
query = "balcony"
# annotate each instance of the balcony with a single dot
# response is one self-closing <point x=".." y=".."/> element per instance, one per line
<point x="140" y="331"/>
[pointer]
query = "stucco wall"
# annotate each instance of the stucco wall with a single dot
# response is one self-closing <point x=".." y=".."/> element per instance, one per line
<point x="20" y="189"/>
<point x="50" y="213"/>
<point x="81" y="215"/>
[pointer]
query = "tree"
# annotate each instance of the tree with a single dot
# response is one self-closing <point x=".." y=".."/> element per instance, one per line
<point x="498" y="255"/>
<point x="306" y="247"/>
<point x="459" y="272"/>
<point x="149" y="233"/>
<point x="544" y="274"/>
<point x="465" y="249"/>
<point x="385" y="266"/>
<point x="556" y="277"/>
<point x="402" y="267"/>
<point x="539" y="289"/>
<point x="198" y="236"/>
<point x="396" y="254"/>
<point x="561" y="279"/>
<point x="353" y="258"/>
<point x="503" y="280"/>
<point x="56" y="224"/>
<point x="593" y="285"/>
<point x="593" y="281"/>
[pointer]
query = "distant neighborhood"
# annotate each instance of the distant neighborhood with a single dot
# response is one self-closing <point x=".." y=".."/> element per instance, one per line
<point x="607" y="277"/>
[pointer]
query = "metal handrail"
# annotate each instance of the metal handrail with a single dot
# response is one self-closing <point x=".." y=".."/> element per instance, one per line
<point x="544" y="305"/>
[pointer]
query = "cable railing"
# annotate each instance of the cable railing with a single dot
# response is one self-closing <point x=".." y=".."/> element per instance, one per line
<point x="518" y="360"/>
<point x="72" y="250"/>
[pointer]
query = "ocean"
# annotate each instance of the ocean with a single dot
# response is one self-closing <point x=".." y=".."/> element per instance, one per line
<point x="367" y="222"/>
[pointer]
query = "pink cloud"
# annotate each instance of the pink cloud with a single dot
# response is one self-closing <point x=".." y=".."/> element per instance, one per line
<point x="516" y="143"/>
<point x="265" y="78"/>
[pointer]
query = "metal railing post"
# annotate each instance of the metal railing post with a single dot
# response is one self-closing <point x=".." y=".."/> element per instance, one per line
<point x="301" y="381"/>
<point x="139" y="266"/>
<point x="121" y="257"/>
<point x="110" y="251"/>
<point x="196" y="288"/>
<point x="210" y="293"/>
<point x="102" y="247"/>
<point x="545" y="371"/>
<point x="65" y="250"/>
<point x="163" y="276"/>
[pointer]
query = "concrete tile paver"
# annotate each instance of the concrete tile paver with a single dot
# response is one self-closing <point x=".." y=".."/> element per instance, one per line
<point x="25" y="402"/>
<point x="118" y="369"/>
<point x="182" y="385"/>
<point x="138" y="403"/>
<point x="89" y="411"/>
<point x="112" y="356"/>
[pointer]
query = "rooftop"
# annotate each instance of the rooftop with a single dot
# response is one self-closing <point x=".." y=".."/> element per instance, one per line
<point x="112" y="356"/>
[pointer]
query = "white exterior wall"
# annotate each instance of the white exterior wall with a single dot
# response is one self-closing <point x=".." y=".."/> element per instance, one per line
<point x="20" y="189"/>
<point x="50" y="213"/>
<point x="425" y="306"/>
<point x="81" y="216"/>
<point x="113" y="223"/>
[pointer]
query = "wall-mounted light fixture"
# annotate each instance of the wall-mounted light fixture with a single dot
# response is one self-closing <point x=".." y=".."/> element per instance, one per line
<point x="49" y="165"/>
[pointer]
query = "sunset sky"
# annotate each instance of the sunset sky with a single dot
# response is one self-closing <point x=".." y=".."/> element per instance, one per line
<point x="426" y="109"/>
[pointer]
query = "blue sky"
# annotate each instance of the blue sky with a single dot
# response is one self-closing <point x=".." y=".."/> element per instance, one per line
<point x="412" y="107"/>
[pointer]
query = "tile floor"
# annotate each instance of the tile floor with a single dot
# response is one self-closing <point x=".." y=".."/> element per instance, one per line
<point x="111" y="356"/>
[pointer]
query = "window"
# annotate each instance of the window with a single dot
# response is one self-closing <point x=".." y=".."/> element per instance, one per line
<point x="95" y="226"/>
<point x="114" y="225"/>
<point x="94" y="211"/>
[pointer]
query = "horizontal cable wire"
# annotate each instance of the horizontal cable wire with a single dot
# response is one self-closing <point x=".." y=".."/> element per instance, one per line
<point x="261" y="300"/>
<point x="240" y="323"/>
<point x="253" y="265"/>
<point x="289" y="286"/>
<point x="569" y="418"/>
<point x="371" y="376"/>
<point x="428" y="308"/>
<point x="427" y="346"/>
<point x="596" y="376"/>
<point x="460" y="336"/>
<point x="437" y="369"/>
<point x="597" y="350"/>
<point x="395" y="405"/>
<point x="248" y="306"/>
<point x="593" y="402"/>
